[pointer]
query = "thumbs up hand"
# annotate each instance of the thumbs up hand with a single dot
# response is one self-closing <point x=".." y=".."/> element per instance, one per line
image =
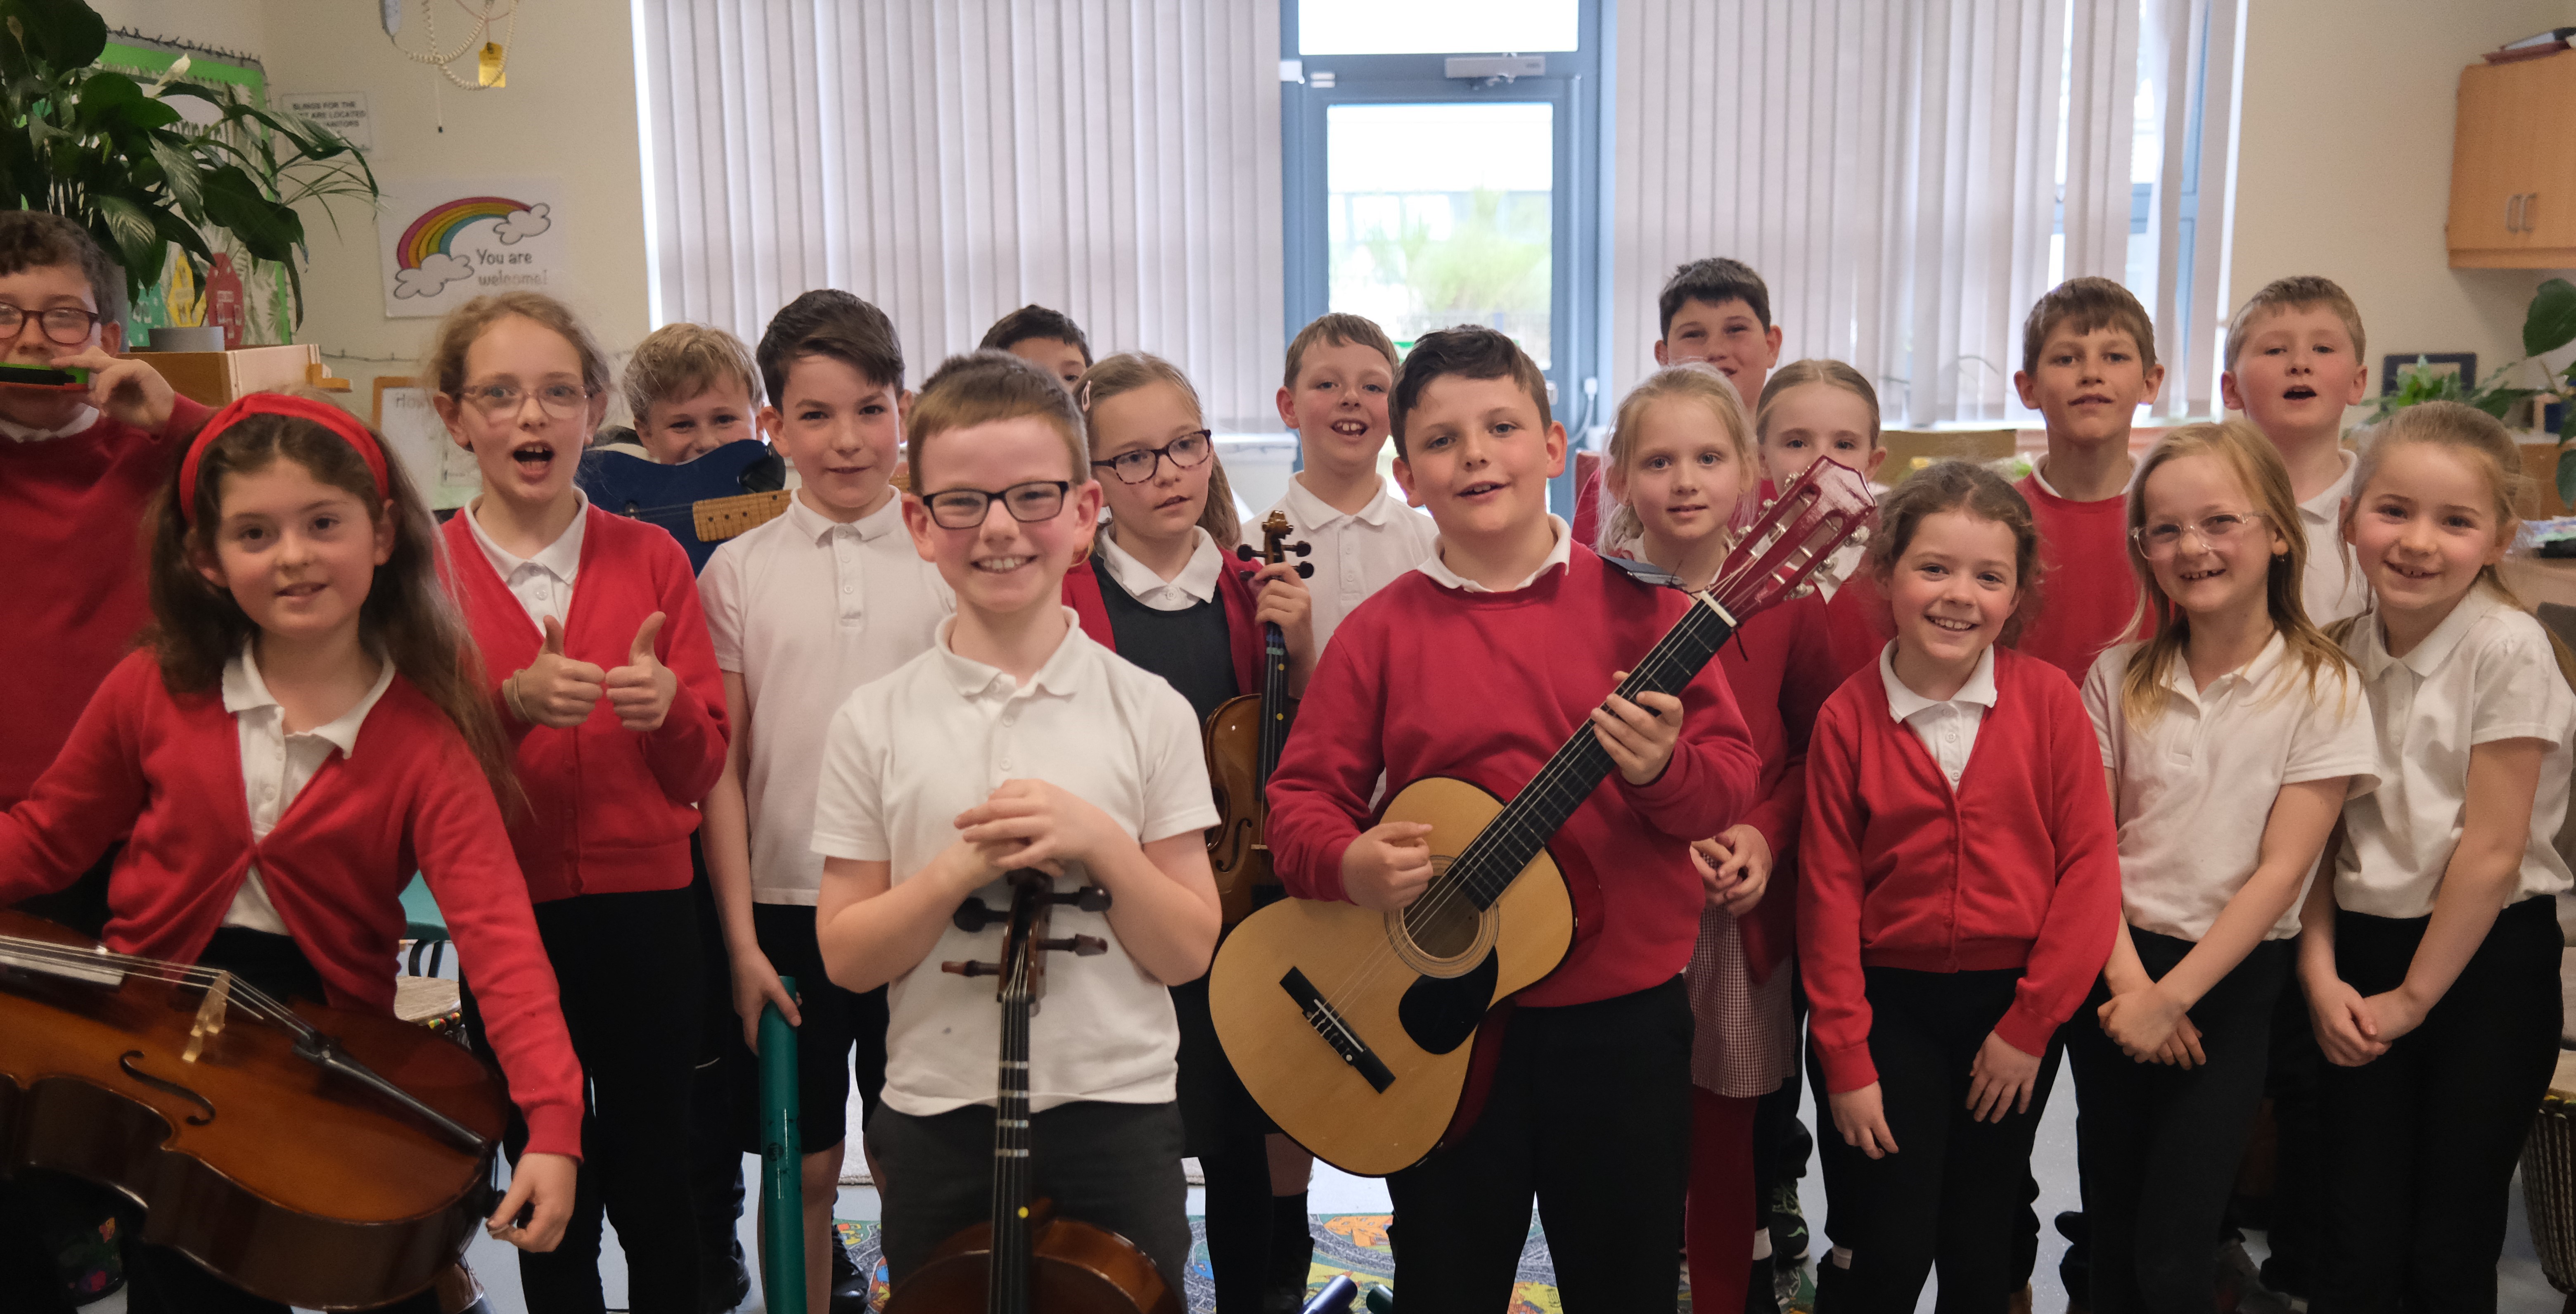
<point x="642" y="689"/>
<point x="554" y="690"/>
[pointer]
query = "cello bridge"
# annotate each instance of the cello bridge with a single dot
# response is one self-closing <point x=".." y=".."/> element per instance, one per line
<point x="210" y="1016"/>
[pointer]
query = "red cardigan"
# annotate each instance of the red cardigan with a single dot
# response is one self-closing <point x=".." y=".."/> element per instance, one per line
<point x="1780" y="671"/>
<point x="1422" y="680"/>
<point x="409" y="798"/>
<point x="2019" y="868"/>
<point x="74" y="504"/>
<point x="1234" y="584"/>
<point x="609" y="811"/>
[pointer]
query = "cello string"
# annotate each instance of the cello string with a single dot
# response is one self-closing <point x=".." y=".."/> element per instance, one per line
<point x="254" y="1002"/>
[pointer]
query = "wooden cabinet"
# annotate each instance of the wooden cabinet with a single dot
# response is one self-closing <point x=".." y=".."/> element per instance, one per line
<point x="2513" y="166"/>
<point x="216" y="377"/>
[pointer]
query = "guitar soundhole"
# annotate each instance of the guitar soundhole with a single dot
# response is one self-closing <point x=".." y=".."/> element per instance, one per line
<point x="1442" y="923"/>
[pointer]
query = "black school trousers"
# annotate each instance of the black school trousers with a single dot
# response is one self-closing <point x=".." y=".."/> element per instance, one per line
<point x="2158" y="1145"/>
<point x="1954" y="1194"/>
<point x="626" y="968"/>
<point x="1589" y="1112"/>
<point x="2421" y="1142"/>
<point x="1114" y="1166"/>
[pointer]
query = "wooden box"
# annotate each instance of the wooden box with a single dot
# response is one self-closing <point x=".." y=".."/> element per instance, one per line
<point x="217" y="377"/>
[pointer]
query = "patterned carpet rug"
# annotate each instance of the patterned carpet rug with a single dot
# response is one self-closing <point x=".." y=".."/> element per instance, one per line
<point x="1344" y="1243"/>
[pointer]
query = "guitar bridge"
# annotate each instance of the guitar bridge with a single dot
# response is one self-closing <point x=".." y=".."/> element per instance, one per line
<point x="1336" y="1032"/>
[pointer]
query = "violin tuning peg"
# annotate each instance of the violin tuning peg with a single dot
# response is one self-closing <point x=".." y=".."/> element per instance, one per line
<point x="1300" y="549"/>
<point x="1089" y="946"/>
<point x="971" y="969"/>
<point x="1092" y="898"/>
<point x="1244" y="551"/>
<point x="1305" y="570"/>
<point x="973" y="915"/>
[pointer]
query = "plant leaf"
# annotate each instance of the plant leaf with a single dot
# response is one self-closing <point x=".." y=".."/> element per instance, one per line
<point x="2497" y="401"/>
<point x="267" y="230"/>
<point x="2567" y="477"/>
<point x="133" y="236"/>
<point x="2551" y="321"/>
<point x="64" y="33"/>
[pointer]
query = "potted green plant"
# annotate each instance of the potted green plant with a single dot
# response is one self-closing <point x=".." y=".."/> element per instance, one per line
<point x="116" y="156"/>
<point x="2548" y="325"/>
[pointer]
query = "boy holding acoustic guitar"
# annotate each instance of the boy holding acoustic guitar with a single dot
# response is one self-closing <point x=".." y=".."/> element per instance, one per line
<point x="1477" y="666"/>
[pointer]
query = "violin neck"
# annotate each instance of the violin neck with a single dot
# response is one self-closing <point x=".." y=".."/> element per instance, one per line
<point x="1274" y="703"/>
<point x="1008" y="1289"/>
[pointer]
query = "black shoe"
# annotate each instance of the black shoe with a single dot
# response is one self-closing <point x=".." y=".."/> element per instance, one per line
<point x="1788" y="1224"/>
<point x="850" y="1287"/>
<point x="2075" y="1269"/>
<point x="724" y="1280"/>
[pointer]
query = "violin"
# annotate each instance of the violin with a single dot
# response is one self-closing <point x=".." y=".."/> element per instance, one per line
<point x="314" y="1156"/>
<point x="1024" y="1259"/>
<point x="1243" y="739"/>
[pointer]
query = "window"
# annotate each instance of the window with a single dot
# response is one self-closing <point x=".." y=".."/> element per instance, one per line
<point x="1431" y="182"/>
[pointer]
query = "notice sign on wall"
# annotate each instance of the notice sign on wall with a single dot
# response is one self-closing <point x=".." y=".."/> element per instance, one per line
<point x="343" y="112"/>
<point x="447" y="242"/>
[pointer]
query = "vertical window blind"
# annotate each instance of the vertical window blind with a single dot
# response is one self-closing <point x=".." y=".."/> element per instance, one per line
<point x="1118" y="160"/>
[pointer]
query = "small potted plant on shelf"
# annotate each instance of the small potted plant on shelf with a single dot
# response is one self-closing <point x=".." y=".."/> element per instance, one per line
<point x="2547" y="326"/>
<point x="118" y="157"/>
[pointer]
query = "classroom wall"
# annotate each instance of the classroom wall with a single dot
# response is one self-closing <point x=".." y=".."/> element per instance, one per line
<point x="2344" y="165"/>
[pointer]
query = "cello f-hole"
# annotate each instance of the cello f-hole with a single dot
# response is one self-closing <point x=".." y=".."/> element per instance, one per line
<point x="125" y="1063"/>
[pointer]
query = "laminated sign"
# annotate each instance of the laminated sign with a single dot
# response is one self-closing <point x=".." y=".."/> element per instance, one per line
<point x="446" y="242"/>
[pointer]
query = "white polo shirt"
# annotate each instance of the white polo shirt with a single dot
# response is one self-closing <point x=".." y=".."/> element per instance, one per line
<point x="1355" y="553"/>
<point x="1948" y="729"/>
<point x="907" y="753"/>
<point x="2195" y="787"/>
<point x="542" y="583"/>
<point x="276" y="766"/>
<point x="2334" y="586"/>
<point x="2485" y="673"/>
<point x="806" y="610"/>
<point x="1195" y="584"/>
<point x="1558" y="556"/>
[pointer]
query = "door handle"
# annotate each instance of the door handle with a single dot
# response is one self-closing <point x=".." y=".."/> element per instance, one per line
<point x="2527" y="199"/>
<point x="2513" y="213"/>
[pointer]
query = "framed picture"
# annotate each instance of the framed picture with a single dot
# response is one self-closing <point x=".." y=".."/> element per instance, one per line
<point x="2461" y="363"/>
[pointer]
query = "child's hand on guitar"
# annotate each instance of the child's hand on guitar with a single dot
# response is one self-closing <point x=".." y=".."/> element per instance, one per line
<point x="1861" y="1116"/>
<point x="1639" y="735"/>
<point x="1031" y="823"/>
<point x="2000" y="1080"/>
<point x="1734" y="868"/>
<point x="640" y="692"/>
<point x="129" y="391"/>
<point x="1387" y="867"/>
<point x="1283" y="600"/>
<point x="541" y="1188"/>
<point x="554" y="690"/>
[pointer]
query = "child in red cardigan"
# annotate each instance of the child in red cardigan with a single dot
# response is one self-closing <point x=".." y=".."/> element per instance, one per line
<point x="1680" y="459"/>
<point x="1159" y="592"/>
<point x="303" y="730"/>
<point x="1960" y="889"/>
<point x="1479" y="665"/>
<point x="608" y="692"/>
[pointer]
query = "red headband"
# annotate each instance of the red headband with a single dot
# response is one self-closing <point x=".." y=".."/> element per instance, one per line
<point x="277" y="403"/>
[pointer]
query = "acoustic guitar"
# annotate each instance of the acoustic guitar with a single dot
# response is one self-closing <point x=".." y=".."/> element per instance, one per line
<point x="1352" y="1027"/>
<point x="1243" y="739"/>
<point x="1024" y="1259"/>
<point x="318" y="1157"/>
<point x="723" y="494"/>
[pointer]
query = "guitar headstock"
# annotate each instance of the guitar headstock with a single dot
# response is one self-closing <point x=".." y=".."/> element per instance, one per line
<point x="1797" y="530"/>
<point x="1275" y="546"/>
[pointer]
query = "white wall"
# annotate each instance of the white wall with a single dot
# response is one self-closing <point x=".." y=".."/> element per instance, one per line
<point x="2345" y="165"/>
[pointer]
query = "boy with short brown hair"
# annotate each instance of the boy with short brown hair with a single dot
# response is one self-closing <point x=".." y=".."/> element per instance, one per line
<point x="1499" y="647"/>
<point x="691" y="388"/>
<point x="1046" y="338"/>
<point x="2294" y="361"/>
<point x="1334" y="394"/>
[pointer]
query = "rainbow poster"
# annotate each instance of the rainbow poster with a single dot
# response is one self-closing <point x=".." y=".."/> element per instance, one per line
<point x="446" y="242"/>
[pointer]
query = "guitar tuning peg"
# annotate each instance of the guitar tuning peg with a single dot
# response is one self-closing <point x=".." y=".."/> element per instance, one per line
<point x="1305" y="570"/>
<point x="971" y="969"/>
<point x="972" y="916"/>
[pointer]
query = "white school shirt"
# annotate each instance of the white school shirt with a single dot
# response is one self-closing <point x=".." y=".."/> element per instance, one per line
<point x="276" y="766"/>
<point x="2195" y="787"/>
<point x="1195" y="584"/>
<point x="1355" y="553"/>
<point x="805" y="610"/>
<point x="908" y="752"/>
<point x="542" y="583"/>
<point x="1560" y="555"/>
<point x="81" y="420"/>
<point x="1948" y="729"/>
<point x="2485" y="673"/>
<point x="2333" y="587"/>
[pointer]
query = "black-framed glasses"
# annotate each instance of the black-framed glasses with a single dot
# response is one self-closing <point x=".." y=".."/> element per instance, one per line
<point x="965" y="508"/>
<point x="1185" y="452"/>
<point x="67" y="326"/>
<point x="2159" y="541"/>
<point x="560" y="400"/>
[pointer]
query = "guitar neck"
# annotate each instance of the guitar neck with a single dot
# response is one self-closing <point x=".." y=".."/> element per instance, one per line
<point x="1488" y="864"/>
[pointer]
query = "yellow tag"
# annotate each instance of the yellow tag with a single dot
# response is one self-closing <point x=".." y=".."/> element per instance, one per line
<point x="490" y="69"/>
<point x="1024" y="1211"/>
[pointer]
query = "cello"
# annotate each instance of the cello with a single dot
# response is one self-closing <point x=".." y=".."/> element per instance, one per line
<point x="1024" y="1259"/>
<point x="320" y="1157"/>
<point x="1243" y="738"/>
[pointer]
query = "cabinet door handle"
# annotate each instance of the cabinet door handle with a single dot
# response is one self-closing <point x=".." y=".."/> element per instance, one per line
<point x="2527" y="199"/>
<point x="2512" y="213"/>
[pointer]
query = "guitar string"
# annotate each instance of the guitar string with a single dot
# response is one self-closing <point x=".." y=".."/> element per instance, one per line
<point x="1554" y="778"/>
